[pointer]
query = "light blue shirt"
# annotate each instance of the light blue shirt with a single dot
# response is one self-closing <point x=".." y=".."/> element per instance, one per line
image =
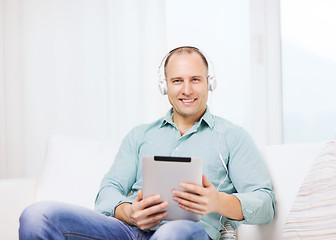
<point x="248" y="178"/>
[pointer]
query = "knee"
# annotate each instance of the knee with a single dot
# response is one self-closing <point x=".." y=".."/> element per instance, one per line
<point x="34" y="220"/>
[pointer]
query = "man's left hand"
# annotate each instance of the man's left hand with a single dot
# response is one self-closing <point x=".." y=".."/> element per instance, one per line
<point x="198" y="199"/>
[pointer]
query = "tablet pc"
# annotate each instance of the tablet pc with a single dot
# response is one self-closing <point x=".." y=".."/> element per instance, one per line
<point x="162" y="174"/>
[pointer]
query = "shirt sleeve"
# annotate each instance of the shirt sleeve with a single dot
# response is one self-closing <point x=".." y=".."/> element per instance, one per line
<point x="117" y="183"/>
<point x="251" y="179"/>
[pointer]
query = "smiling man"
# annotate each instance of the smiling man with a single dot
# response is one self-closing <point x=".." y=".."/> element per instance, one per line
<point x="236" y="187"/>
<point x="187" y="82"/>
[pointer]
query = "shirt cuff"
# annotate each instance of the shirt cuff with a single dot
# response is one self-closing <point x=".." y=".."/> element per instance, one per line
<point x="257" y="207"/>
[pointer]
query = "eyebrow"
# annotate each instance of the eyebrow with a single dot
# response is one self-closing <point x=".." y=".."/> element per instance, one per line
<point x="174" y="78"/>
<point x="195" y="76"/>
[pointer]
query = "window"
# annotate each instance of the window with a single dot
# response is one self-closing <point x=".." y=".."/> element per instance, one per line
<point x="308" y="40"/>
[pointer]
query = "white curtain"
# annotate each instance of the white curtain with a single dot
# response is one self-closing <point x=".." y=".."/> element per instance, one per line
<point x="88" y="68"/>
<point x="80" y="68"/>
<point x="3" y="167"/>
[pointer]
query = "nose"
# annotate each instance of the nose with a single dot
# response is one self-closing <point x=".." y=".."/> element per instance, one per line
<point x="187" y="88"/>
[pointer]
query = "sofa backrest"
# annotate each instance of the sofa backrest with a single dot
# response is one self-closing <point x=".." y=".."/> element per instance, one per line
<point x="73" y="169"/>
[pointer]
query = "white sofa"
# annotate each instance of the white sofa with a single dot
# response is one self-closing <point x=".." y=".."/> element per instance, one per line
<point x="74" y="168"/>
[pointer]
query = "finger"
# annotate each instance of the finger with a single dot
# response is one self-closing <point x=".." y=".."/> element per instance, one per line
<point x="190" y="187"/>
<point x="199" y="212"/>
<point x="140" y="195"/>
<point x="187" y="195"/>
<point x="150" y="200"/>
<point x="190" y="205"/>
<point x="155" y="209"/>
<point x="206" y="182"/>
<point x="144" y="203"/>
<point x="153" y="219"/>
<point x="139" y="198"/>
<point x="140" y="213"/>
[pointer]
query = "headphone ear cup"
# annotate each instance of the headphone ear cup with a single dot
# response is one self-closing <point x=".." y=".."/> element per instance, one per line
<point x="163" y="87"/>
<point x="212" y="83"/>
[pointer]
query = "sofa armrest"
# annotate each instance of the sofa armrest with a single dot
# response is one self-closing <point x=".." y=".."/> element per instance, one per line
<point x="15" y="195"/>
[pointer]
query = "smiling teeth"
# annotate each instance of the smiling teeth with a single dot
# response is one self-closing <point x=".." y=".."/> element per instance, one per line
<point x="187" y="101"/>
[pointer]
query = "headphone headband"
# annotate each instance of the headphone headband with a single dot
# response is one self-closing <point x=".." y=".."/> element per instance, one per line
<point x="212" y="83"/>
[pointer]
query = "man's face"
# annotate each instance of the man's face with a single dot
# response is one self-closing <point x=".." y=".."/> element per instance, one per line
<point x="186" y="75"/>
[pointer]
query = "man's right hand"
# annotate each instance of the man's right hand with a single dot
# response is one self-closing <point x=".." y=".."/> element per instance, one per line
<point x="142" y="213"/>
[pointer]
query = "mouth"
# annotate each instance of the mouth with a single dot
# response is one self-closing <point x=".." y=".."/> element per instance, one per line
<point x="188" y="100"/>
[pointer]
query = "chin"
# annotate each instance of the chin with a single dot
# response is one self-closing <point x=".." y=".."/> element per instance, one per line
<point x="189" y="114"/>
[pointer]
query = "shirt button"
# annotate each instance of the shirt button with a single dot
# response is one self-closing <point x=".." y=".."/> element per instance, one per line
<point x="177" y="149"/>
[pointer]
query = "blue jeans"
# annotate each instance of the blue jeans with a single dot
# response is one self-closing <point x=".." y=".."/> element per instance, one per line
<point x="53" y="220"/>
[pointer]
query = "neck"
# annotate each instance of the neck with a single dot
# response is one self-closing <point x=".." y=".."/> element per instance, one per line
<point x="184" y="123"/>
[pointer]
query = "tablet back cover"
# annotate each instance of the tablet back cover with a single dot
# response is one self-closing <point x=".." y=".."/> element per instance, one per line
<point x="163" y="174"/>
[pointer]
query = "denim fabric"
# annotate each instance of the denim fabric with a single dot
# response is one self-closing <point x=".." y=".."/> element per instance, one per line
<point x="53" y="220"/>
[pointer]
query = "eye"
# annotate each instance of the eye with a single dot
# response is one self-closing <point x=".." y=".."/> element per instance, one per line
<point x="196" y="79"/>
<point x="176" y="81"/>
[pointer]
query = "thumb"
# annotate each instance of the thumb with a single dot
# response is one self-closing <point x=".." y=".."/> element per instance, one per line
<point x="205" y="181"/>
<point x="139" y="198"/>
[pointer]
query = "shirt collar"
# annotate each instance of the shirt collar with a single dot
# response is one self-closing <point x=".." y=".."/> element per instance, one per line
<point x="168" y="118"/>
<point x="207" y="117"/>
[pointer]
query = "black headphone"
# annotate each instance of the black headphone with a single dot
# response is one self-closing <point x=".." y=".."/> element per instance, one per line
<point x="212" y="82"/>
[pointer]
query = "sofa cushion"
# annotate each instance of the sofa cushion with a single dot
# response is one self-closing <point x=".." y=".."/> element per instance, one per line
<point x="313" y="213"/>
<point x="73" y="169"/>
<point x="288" y="165"/>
